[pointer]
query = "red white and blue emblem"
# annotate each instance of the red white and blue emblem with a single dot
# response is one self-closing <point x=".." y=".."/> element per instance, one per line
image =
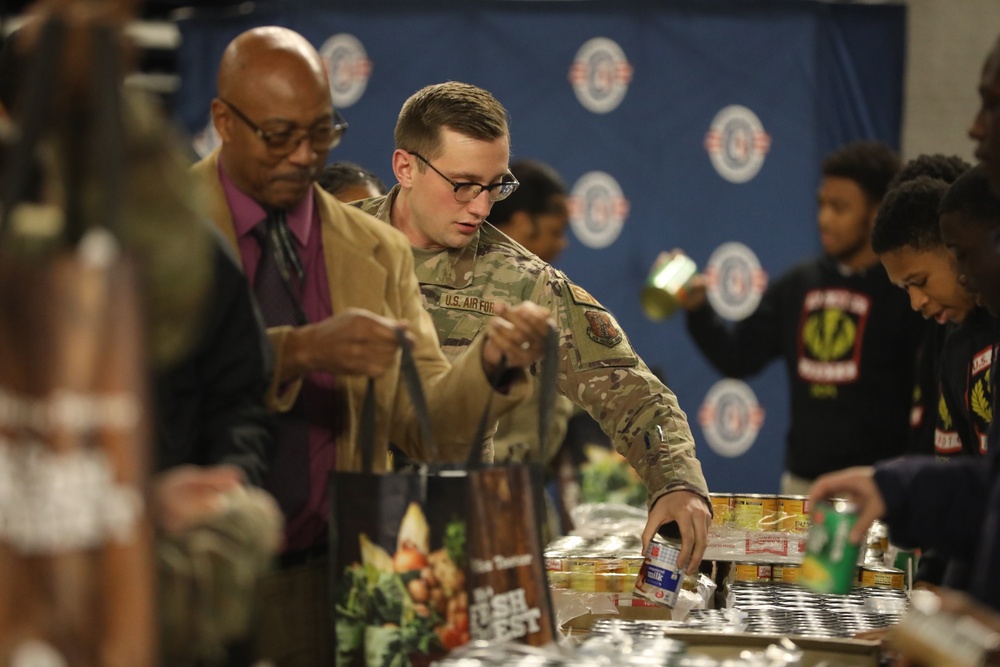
<point x="730" y="417"/>
<point x="348" y="66"/>
<point x="597" y="209"/>
<point x="600" y="75"/>
<point x="735" y="281"/>
<point x="737" y="143"/>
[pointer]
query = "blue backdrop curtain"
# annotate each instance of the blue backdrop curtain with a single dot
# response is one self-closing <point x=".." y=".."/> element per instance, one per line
<point x="813" y="75"/>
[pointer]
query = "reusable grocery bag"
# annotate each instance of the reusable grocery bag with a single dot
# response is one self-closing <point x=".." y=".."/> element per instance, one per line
<point x="424" y="561"/>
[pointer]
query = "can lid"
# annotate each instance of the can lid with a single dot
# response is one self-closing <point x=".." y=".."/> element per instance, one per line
<point x="843" y="506"/>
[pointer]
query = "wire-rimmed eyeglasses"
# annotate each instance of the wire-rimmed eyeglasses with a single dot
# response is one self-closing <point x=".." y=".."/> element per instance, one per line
<point x="466" y="192"/>
<point x="323" y="136"/>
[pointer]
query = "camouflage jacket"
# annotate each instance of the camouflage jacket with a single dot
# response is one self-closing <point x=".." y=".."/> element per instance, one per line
<point x="598" y="369"/>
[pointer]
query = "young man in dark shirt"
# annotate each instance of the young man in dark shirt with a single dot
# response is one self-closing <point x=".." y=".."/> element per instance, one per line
<point x="845" y="335"/>
<point x="908" y="242"/>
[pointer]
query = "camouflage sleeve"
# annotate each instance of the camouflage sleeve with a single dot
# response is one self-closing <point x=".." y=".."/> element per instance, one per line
<point x="600" y="372"/>
<point x="207" y="577"/>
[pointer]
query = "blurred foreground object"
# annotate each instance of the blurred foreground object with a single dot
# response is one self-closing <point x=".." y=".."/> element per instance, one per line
<point x="947" y="630"/>
<point x="76" y="561"/>
<point x="218" y="540"/>
<point x="667" y="284"/>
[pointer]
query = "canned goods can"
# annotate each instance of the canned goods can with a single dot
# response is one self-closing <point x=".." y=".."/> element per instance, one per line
<point x="558" y="579"/>
<point x="609" y="566"/>
<point x="751" y="572"/>
<point x="554" y="562"/>
<point x="784" y="573"/>
<point x="755" y="511"/>
<point x="870" y="576"/>
<point x="633" y="565"/>
<point x="722" y="509"/>
<point x="831" y="558"/>
<point x="582" y="572"/>
<point x="793" y="514"/>
<point x="659" y="579"/>
<point x="614" y="582"/>
<point x="667" y="285"/>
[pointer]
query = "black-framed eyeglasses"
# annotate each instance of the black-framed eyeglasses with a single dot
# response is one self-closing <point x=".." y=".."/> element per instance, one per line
<point x="466" y="192"/>
<point x="322" y="137"/>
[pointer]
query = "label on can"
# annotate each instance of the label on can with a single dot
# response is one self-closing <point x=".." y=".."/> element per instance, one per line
<point x="793" y="514"/>
<point x="881" y="577"/>
<point x="782" y="573"/>
<point x="830" y="560"/>
<point x="751" y="572"/>
<point x="755" y="512"/>
<point x="722" y="509"/>
<point x="659" y="579"/>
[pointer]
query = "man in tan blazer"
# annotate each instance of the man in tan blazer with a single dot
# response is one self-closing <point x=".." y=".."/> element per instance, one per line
<point x="354" y="287"/>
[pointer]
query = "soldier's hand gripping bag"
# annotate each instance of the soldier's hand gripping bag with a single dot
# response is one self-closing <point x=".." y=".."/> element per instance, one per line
<point x="424" y="561"/>
<point x="76" y="566"/>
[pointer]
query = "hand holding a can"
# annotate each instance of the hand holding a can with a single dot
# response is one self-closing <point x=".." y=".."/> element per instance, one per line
<point x="858" y="485"/>
<point x="693" y="517"/>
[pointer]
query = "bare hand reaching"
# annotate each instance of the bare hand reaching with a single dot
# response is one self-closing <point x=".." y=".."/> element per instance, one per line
<point x="352" y="342"/>
<point x="516" y="333"/>
<point x="693" y="518"/>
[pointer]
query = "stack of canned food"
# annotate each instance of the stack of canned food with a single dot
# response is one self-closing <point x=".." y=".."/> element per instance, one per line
<point x="870" y="575"/>
<point x="760" y="512"/>
<point x="606" y="564"/>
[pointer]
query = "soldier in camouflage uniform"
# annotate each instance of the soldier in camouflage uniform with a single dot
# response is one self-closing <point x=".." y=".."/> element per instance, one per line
<point x="467" y="269"/>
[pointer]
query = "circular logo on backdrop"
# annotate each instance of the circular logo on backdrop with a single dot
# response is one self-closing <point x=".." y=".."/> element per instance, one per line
<point x="737" y="143"/>
<point x="597" y="209"/>
<point x="730" y="417"/>
<point x="600" y="75"/>
<point x="735" y="281"/>
<point x="349" y="68"/>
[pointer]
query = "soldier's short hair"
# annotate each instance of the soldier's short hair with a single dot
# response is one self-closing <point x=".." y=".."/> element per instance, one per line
<point x="908" y="216"/>
<point x="870" y="164"/>
<point x="461" y="107"/>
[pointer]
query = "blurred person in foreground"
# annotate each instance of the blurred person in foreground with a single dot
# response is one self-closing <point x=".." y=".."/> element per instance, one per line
<point x="337" y="291"/>
<point x="452" y="164"/>
<point x="844" y="334"/>
<point x="208" y="361"/>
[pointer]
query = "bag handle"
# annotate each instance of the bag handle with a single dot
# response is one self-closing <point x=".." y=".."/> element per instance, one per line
<point x="411" y="378"/>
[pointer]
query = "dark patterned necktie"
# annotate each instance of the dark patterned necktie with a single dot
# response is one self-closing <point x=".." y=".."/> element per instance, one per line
<point x="277" y="284"/>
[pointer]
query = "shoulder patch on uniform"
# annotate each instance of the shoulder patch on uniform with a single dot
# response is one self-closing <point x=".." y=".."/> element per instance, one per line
<point x="582" y="296"/>
<point x="602" y="328"/>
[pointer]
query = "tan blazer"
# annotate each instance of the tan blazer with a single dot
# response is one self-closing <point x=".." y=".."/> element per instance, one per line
<point x="370" y="265"/>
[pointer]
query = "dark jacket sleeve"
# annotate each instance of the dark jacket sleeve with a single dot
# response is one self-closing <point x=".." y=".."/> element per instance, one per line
<point x="211" y="406"/>
<point x="742" y="348"/>
<point x="937" y="505"/>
